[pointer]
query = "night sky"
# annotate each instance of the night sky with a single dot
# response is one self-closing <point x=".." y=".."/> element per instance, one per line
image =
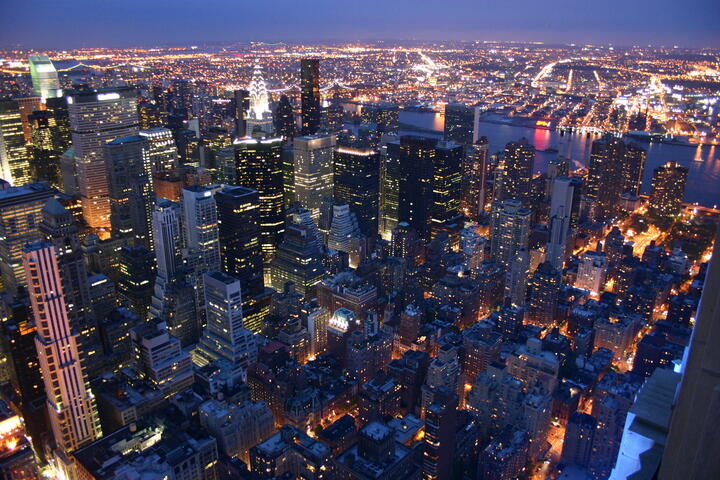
<point x="68" y="24"/>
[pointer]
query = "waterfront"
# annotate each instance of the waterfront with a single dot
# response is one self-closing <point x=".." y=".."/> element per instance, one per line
<point x="703" y="162"/>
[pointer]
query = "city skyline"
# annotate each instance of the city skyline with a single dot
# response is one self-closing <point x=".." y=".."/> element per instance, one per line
<point x="388" y="260"/>
<point x="135" y="23"/>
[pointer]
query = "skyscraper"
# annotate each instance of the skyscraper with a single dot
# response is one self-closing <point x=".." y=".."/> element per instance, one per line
<point x="668" y="188"/>
<point x="59" y="228"/>
<point x="201" y="228"/>
<point x="543" y="295"/>
<point x="313" y="161"/>
<point x="415" y="156"/>
<point x="161" y="150"/>
<point x="238" y="210"/>
<point x="310" y="95"/>
<point x="44" y="77"/>
<point x="461" y="123"/>
<point x="20" y="216"/>
<point x="560" y="216"/>
<point x="48" y="145"/>
<point x="225" y="336"/>
<point x="168" y="237"/>
<point x="14" y="164"/>
<point x="632" y="169"/>
<point x="284" y="118"/>
<point x="509" y="230"/>
<point x="71" y="405"/>
<point x="615" y="168"/>
<point x="259" y="114"/>
<point x="446" y="185"/>
<point x="130" y="189"/>
<point x="357" y="183"/>
<point x="298" y="260"/>
<point x="259" y="167"/>
<point x="96" y="117"/>
<point x="242" y="105"/>
<point x="519" y="162"/>
<point x="472" y="183"/>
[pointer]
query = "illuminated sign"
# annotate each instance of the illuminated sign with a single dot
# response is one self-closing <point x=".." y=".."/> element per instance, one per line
<point x="108" y="96"/>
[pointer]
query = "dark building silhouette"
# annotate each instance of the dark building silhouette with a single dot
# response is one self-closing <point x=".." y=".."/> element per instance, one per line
<point x="310" y="95"/>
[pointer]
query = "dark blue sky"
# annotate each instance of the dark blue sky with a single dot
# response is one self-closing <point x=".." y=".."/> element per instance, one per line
<point x="68" y="24"/>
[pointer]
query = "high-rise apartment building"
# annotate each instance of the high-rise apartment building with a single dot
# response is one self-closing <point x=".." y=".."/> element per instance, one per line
<point x="96" y="117"/>
<point x="509" y="230"/>
<point x="668" y="188"/>
<point x="615" y="168"/>
<point x="70" y="404"/>
<point x="519" y="164"/>
<point x="313" y="167"/>
<point x="310" y="95"/>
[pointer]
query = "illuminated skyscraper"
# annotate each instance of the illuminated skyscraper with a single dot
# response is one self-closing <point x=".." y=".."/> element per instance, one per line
<point x="225" y="336"/>
<point x="238" y="211"/>
<point x="389" y="188"/>
<point x="167" y="234"/>
<point x="48" y="145"/>
<point x="310" y="95"/>
<point x="509" y="230"/>
<point x="14" y="164"/>
<point x="313" y="161"/>
<point x="44" y="77"/>
<point x="474" y="168"/>
<point x="519" y="162"/>
<point x="130" y="189"/>
<point x="357" y="183"/>
<point x="461" y="123"/>
<point x="20" y="216"/>
<point x="258" y="166"/>
<point x="96" y="117"/>
<point x="259" y="115"/>
<point x="161" y="150"/>
<point x="668" y="188"/>
<point x="615" y="168"/>
<point x="59" y="228"/>
<point x="298" y="260"/>
<point x="201" y="228"/>
<point x="446" y="187"/>
<point x="560" y="216"/>
<point x="71" y="405"/>
<point x="632" y="169"/>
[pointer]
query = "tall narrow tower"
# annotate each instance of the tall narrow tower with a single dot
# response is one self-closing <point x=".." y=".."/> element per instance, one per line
<point x="71" y="405"/>
<point x="310" y="95"/>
